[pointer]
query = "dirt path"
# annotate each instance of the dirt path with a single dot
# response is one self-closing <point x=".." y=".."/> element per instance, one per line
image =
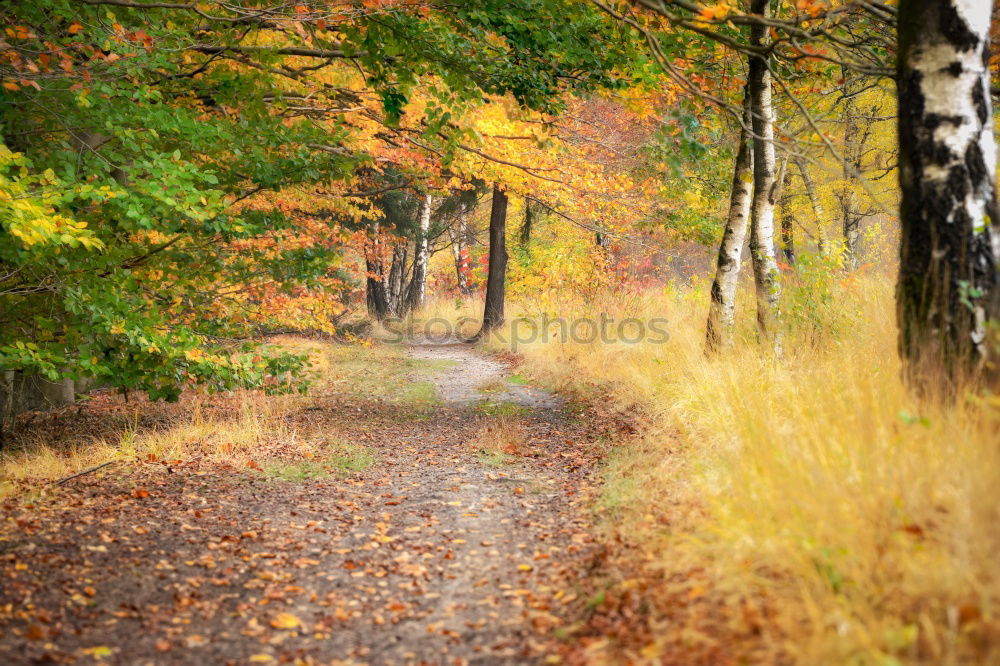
<point x="460" y="544"/>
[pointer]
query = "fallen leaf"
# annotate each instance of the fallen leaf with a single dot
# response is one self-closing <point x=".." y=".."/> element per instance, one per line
<point x="285" y="621"/>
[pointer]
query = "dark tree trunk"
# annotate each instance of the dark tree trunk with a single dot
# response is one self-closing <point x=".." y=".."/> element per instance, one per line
<point x="722" y="310"/>
<point x="396" y="285"/>
<point x="375" y="288"/>
<point x="787" y="221"/>
<point x="497" y="271"/>
<point x="378" y="304"/>
<point x="947" y="294"/>
<point x="529" y="222"/>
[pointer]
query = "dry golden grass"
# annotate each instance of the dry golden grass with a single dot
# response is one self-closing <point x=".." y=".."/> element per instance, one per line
<point x="242" y="429"/>
<point x="867" y="521"/>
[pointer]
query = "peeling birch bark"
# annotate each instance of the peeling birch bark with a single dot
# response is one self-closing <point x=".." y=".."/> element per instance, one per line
<point x="418" y="283"/>
<point x="765" y="266"/>
<point x="947" y="293"/>
<point x="721" y="313"/>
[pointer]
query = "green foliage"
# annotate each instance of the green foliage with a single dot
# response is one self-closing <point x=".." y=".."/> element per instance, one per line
<point x="694" y="161"/>
<point x="341" y="462"/>
<point x="125" y="149"/>
<point x="813" y="297"/>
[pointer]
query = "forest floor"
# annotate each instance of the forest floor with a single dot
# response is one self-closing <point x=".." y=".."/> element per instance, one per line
<point x="440" y="515"/>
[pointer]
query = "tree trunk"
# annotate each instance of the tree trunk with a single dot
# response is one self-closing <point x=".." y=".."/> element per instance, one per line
<point x="948" y="292"/>
<point x="396" y="284"/>
<point x="765" y="268"/>
<point x="850" y="215"/>
<point x="821" y="243"/>
<point x="375" y="288"/>
<point x="787" y="221"/>
<point x="418" y="283"/>
<point x="461" y="254"/>
<point x="721" y="312"/>
<point x="497" y="271"/>
<point x="529" y="221"/>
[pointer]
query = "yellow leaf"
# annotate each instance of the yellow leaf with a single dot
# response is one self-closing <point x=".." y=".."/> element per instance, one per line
<point x="285" y="621"/>
<point x="717" y="11"/>
<point x="99" y="651"/>
<point x="261" y="658"/>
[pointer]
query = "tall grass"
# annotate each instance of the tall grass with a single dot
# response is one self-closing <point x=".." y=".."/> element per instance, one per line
<point x="868" y="523"/>
<point x="240" y="429"/>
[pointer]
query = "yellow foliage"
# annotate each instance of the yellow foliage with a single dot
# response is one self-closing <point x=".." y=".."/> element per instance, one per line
<point x="864" y="520"/>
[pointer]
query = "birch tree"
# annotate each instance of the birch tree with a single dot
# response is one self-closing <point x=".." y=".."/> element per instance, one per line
<point x="418" y="283"/>
<point x="765" y="268"/>
<point x="721" y="312"/>
<point x="817" y="206"/>
<point x="947" y="294"/>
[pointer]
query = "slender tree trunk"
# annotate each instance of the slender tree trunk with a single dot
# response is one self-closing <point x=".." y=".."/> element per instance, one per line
<point x="418" y="283"/>
<point x="375" y="291"/>
<point x="850" y="215"/>
<point x="461" y="254"/>
<point x="787" y="221"/>
<point x="396" y="284"/>
<point x="765" y="268"/>
<point x="948" y="291"/>
<point x="821" y="242"/>
<point x="497" y="271"/>
<point x="721" y="313"/>
<point x="529" y="222"/>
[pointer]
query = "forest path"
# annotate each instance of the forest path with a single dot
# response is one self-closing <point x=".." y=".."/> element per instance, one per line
<point x="462" y="543"/>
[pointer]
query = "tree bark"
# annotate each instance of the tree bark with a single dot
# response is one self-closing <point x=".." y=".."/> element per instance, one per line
<point x="497" y="271"/>
<point x="765" y="267"/>
<point x="948" y="292"/>
<point x="529" y="222"/>
<point x="375" y="291"/>
<point x="787" y="221"/>
<point x="850" y="215"/>
<point x="418" y="283"/>
<point x="821" y="242"/>
<point x="721" y="313"/>
<point x="461" y="254"/>
<point x="396" y="284"/>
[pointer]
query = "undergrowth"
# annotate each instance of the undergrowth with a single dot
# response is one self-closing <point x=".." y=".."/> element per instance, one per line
<point x="809" y="505"/>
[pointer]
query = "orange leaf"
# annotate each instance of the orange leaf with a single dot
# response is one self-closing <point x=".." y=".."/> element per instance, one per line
<point x="10" y="85"/>
<point x="285" y="621"/>
<point x="75" y="27"/>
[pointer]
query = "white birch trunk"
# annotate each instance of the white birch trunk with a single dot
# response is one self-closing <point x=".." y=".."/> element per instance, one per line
<point x="765" y="268"/>
<point x="721" y="313"/>
<point x="418" y="284"/>
<point x="851" y="216"/>
<point x="948" y="291"/>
